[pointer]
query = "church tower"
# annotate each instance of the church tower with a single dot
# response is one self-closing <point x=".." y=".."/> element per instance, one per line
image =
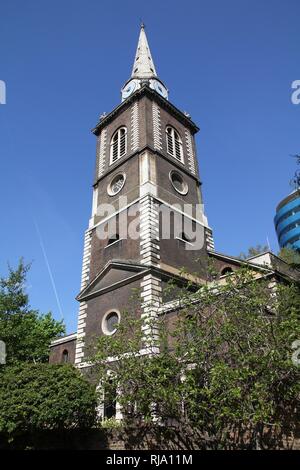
<point x="147" y="220"/>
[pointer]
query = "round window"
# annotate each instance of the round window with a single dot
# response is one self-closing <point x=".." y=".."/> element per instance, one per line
<point x="110" y="322"/>
<point x="178" y="182"/>
<point x="116" y="184"/>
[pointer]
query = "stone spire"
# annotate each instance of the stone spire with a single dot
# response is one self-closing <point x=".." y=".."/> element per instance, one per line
<point x="143" y="66"/>
<point x="143" y="71"/>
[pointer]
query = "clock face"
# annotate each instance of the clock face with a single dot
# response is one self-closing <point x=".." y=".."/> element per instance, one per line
<point x="129" y="89"/>
<point x="157" y="86"/>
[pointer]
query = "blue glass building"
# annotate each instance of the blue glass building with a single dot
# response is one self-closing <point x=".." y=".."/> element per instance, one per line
<point x="287" y="221"/>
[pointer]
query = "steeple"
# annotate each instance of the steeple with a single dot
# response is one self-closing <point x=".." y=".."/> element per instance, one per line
<point x="143" y="66"/>
<point x="143" y="70"/>
<point x="147" y="219"/>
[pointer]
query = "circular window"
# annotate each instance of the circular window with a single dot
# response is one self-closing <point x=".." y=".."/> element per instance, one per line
<point x="178" y="183"/>
<point x="116" y="184"/>
<point x="110" y="321"/>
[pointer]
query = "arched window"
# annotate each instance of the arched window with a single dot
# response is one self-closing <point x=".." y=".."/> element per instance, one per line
<point x="110" y="401"/>
<point x="174" y="143"/>
<point x="118" y="145"/>
<point x="65" y="356"/>
<point x="226" y="270"/>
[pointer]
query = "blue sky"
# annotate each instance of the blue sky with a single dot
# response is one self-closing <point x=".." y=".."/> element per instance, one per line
<point x="229" y="64"/>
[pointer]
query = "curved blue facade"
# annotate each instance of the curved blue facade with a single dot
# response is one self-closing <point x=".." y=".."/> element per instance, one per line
<point x="287" y="221"/>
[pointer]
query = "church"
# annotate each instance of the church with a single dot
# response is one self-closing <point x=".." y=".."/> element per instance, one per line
<point x="147" y="221"/>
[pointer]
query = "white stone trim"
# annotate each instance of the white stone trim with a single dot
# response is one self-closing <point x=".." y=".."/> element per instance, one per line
<point x="94" y="207"/>
<point x="102" y="152"/>
<point x="209" y="239"/>
<point x="64" y="339"/>
<point x="151" y="290"/>
<point x="135" y="133"/>
<point x="85" y="277"/>
<point x="157" y="137"/>
<point x="147" y="174"/>
<point x="190" y="152"/>
<point x="86" y="258"/>
<point x="95" y="201"/>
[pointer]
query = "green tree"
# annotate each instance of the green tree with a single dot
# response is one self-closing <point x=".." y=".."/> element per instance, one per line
<point x="36" y="397"/>
<point x="219" y="370"/>
<point x="26" y="333"/>
<point x="290" y="256"/>
<point x="254" y="251"/>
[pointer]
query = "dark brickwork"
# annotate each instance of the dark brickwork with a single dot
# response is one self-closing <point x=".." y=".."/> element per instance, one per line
<point x="172" y="253"/>
<point x="121" y="299"/>
<point x="57" y="352"/>
<point x="146" y="139"/>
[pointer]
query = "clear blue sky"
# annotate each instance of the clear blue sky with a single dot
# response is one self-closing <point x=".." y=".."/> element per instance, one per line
<point x="230" y="64"/>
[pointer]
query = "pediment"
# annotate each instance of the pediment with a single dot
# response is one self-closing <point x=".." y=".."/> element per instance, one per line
<point x="111" y="277"/>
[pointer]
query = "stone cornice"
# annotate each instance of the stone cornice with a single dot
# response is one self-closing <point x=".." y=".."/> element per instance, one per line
<point x="146" y="91"/>
<point x="122" y="160"/>
<point x="165" y="272"/>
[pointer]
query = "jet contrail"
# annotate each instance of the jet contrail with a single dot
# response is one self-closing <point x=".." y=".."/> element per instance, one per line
<point x="49" y="268"/>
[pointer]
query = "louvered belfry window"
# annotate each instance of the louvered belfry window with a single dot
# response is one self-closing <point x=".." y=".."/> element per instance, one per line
<point x="118" y="145"/>
<point x="174" y="143"/>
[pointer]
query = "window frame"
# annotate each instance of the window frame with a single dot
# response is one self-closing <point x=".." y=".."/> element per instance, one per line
<point x="182" y="192"/>
<point x="103" y="322"/>
<point x="116" y="145"/>
<point x="65" y="356"/>
<point x="226" y="270"/>
<point x="174" y="144"/>
<point x="109" y="186"/>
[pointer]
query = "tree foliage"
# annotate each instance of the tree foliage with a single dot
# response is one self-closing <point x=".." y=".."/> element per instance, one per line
<point x="26" y="333"/>
<point x="222" y="366"/>
<point x="37" y="397"/>
<point x="290" y="256"/>
<point x="254" y="251"/>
